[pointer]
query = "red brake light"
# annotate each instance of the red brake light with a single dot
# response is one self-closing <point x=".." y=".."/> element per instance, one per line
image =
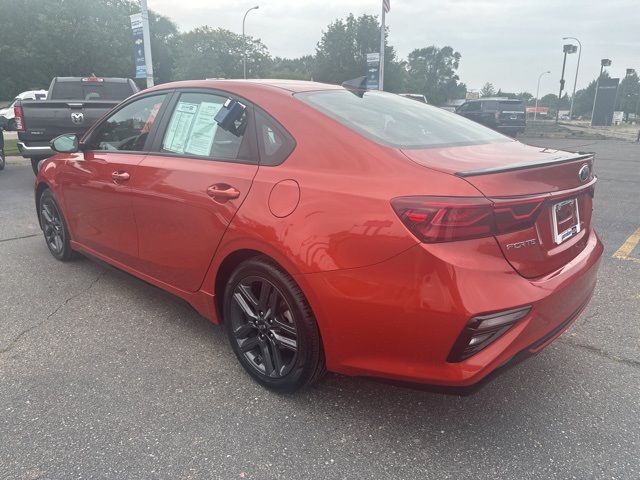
<point x="445" y="219"/>
<point x="19" y="119"/>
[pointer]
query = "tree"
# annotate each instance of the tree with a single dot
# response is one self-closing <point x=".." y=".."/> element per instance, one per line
<point x="487" y="90"/>
<point x="205" y="52"/>
<point x="432" y="72"/>
<point x="296" y="68"/>
<point x="628" y="91"/>
<point x="41" y="39"/>
<point x="342" y="50"/>
<point x="583" y="103"/>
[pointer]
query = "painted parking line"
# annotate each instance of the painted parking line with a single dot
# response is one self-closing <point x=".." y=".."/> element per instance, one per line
<point x="624" y="252"/>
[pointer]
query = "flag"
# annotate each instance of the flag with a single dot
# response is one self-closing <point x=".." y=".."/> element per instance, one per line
<point x="386" y="4"/>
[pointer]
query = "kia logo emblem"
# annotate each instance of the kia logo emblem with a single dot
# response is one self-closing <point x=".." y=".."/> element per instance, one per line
<point x="77" y="118"/>
<point x="584" y="172"/>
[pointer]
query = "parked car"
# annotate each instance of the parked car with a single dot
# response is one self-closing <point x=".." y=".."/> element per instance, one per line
<point x="356" y="231"/>
<point x="7" y="120"/>
<point x="501" y="114"/>
<point x="73" y="105"/>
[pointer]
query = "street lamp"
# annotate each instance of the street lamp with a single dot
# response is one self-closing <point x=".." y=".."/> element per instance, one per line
<point x="605" y="62"/>
<point x="575" y="82"/>
<point x="244" y="52"/>
<point x="567" y="48"/>
<point x="535" y="112"/>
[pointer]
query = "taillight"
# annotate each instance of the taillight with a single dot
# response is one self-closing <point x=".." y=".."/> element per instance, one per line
<point x="445" y="219"/>
<point x="482" y="330"/>
<point x="19" y="119"/>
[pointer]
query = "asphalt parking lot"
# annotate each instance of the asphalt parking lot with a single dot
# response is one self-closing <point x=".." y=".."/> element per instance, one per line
<point x="104" y="376"/>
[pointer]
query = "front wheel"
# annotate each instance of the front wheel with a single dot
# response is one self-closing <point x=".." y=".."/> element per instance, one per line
<point x="271" y="327"/>
<point x="54" y="228"/>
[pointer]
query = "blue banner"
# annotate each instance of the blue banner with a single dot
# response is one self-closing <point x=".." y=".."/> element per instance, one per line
<point x="138" y="46"/>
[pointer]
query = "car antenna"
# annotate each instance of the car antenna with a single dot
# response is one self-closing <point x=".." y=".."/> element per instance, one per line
<point x="357" y="86"/>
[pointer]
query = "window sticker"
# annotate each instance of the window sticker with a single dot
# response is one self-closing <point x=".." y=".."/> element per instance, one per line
<point x="177" y="134"/>
<point x="203" y="130"/>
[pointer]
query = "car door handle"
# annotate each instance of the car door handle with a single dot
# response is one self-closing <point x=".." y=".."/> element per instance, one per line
<point x="223" y="192"/>
<point x="120" y="176"/>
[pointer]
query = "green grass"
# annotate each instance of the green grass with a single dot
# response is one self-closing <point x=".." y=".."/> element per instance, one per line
<point x="11" y="147"/>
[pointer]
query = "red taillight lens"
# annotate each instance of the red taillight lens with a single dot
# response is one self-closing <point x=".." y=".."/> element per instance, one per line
<point x="19" y="119"/>
<point x="445" y="219"/>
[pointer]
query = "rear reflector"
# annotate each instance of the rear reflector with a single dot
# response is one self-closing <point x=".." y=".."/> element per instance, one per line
<point x="445" y="219"/>
<point x="483" y="330"/>
<point x="19" y="119"/>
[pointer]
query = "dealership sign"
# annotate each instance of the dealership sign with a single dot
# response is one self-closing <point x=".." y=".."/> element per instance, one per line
<point x="138" y="45"/>
<point x="373" y="71"/>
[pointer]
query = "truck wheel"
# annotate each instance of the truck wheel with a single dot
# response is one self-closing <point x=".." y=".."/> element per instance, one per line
<point x="34" y="164"/>
<point x="2" y="160"/>
<point x="11" y="126"/>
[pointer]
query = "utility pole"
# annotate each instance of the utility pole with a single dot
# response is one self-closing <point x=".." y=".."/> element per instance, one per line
<point x="535" y="112"/>
<point x="568" y="48"/>
<point x="385" y="9"/>
<point x="244" y="42"/>
<point x="575" y="81"/>
<point x="146" y="37"/>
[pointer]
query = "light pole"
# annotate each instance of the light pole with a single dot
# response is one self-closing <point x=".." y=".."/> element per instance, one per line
<point x="244" y="51"/>
<point x="575" y="82"/>
<point x="605" y="62"/>
<point x="535" y="112"/>
<point x="568" y="48"/>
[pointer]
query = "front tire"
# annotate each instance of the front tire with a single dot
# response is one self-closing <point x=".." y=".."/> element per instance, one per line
<point x="54" y="227"/>
<point x="271" y="327"/>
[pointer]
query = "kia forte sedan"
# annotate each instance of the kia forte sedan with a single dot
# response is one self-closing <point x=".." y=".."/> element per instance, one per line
<point x="332" y="228"/>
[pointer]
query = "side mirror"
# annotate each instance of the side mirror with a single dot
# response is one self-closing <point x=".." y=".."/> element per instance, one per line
<point x="67" y="143"/>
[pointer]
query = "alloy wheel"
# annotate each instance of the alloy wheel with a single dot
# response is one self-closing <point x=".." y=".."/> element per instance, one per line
<point x="52" y="226"/>
<point x="263" y="327"/>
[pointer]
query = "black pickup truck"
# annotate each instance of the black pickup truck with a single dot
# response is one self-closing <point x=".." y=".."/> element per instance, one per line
<point x="73" y="105"/>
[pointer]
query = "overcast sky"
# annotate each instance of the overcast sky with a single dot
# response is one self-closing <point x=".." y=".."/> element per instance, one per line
<point x="505" y="42"/>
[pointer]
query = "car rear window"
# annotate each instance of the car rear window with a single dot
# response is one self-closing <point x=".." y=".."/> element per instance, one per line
<point x="91" y="91"/>
<point x="399" y="122"/>
<point x="511" y="106"/>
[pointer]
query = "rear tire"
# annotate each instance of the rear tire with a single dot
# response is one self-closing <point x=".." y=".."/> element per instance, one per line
<point x="11" y="126"/>
<point x="271" y="327"/>
<point x="2" y="160"/>
<point x="54" y="227"/>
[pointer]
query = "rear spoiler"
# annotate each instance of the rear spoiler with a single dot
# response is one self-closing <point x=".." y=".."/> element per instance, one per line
<point x="524" y="165"/>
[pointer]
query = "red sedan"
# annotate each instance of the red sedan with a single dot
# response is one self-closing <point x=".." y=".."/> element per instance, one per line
<point x="332" y="228"/>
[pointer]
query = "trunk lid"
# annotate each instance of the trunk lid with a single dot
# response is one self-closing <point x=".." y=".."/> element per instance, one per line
<point x="554" y="187"/>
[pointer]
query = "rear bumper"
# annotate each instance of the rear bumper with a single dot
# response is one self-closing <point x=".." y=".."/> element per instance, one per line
<point x="34" y="151"/>
<point x="399" y="319"/>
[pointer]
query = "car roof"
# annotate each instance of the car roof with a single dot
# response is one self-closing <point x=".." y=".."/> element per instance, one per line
<point x="294" y="86"/>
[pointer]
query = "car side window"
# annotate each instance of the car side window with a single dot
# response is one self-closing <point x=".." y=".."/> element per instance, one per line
<point x="193" y="131"/>
<point x="128" y="128"/>
<point x="274" y="142"/>
<point x="473" y="106"/>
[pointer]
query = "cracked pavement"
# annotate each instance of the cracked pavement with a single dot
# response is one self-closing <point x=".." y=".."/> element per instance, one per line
<point x="103" y="376"/>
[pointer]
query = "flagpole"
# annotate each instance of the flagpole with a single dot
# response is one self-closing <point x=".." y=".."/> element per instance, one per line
<point x="381" y="70"/>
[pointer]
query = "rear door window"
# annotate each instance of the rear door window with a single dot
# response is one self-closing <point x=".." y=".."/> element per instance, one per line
<point x="274" y="142"/>
<point x="193" y="131"/>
